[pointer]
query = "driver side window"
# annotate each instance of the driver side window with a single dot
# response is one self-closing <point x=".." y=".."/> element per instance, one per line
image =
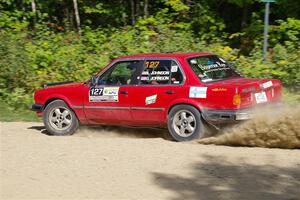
<point x="121" y="73"/>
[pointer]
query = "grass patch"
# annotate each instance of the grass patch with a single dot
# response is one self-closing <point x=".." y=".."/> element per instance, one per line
<point x="8" y="114"/>
<point x="291" y="98"/>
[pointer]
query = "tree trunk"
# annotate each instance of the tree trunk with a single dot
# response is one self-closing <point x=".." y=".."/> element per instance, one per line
<point x="137" y="8"/>
<point x="33" y="8"/>
<point x="146" y="7"/>
<point x="23" y="9"/>
<point x="67" y="18"/>
<point x="77" y="18"/>
<point x="132" y="12"/>
<point x="244" y="16"/>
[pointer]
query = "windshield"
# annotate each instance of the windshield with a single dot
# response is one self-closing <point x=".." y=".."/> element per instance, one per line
<point x="212" y="68"/>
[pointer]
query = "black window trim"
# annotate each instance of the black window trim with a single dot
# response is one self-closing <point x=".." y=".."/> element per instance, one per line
<point x="191" y="57"/>
<point x="172" y="59"/>
<point x="102" y="73"/>
<point x="143" y="59"/>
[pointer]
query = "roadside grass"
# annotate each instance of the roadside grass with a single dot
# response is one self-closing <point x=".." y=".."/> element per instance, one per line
<point x="8" y="114"/>
<point x="291" y="98"/>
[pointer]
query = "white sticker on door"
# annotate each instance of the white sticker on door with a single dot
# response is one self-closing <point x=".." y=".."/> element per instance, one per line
<point x="151" y="99"/>
<point x="104" y="94"/>
<point x="198" y="92"/>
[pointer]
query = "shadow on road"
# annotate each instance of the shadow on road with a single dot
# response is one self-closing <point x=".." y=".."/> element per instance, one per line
<point x="215" y="178"/>
<point x="111" y="131"/>
<point x="40" y="129"/>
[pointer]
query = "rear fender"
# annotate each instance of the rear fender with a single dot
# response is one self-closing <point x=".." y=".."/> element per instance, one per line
<point x="186" y="101"/>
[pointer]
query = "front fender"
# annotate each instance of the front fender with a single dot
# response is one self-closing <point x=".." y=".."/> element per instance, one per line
<point x="75" y="106"/>
<point x="58" y="96"/>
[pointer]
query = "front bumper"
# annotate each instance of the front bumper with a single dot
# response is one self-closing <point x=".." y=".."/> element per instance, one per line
<point x="227" y="116"/>
<point x="37" y="107"/>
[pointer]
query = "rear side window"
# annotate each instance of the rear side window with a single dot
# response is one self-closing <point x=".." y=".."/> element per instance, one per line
<point x="161" y="72"/>
<point x="212" y="68"/>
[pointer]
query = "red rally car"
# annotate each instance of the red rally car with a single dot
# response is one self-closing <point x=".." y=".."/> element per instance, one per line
<point x="181" y="91"/>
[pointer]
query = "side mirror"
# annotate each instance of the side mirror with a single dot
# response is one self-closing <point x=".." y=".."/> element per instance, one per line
<point x="94" y="80"/>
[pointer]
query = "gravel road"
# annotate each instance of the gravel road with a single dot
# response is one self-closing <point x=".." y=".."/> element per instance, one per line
<point x="123" y="163"/>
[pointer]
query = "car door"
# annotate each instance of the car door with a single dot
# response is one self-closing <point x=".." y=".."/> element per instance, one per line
<point x="160" y="83"/>
<point x="108" y="101"/>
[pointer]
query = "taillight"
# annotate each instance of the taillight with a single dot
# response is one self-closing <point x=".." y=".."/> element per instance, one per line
<point x="236" y="99"/>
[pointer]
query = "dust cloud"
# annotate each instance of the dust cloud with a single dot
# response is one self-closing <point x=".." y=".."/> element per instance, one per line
<point x="271" y="128"/>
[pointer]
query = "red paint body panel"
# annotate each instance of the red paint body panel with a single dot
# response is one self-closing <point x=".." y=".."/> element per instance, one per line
<point x="132" y="109"/>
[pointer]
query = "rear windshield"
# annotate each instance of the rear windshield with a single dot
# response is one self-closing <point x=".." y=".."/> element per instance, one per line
<point x="212" y="68"/>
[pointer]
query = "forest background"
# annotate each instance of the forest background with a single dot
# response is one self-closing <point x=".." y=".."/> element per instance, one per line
<point x="59" y="40"/>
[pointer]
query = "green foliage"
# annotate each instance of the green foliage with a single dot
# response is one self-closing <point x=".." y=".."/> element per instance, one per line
<point x="9" y="113"/>
<point x="37" y="48"/>
<point x="176" y="5"/>
<point x="283" y="58"/>
<point x="291" y="98"/>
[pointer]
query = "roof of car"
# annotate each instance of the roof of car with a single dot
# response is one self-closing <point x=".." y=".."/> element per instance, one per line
<point x="167" y="55"/>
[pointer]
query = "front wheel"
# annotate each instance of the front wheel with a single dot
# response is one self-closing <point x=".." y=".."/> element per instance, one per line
<point x="184" y="123"/>
<point x="59" y="119"/>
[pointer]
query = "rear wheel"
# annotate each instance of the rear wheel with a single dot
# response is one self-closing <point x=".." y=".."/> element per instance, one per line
<point x="184" y="123"/>
<point x="59" y="119"/>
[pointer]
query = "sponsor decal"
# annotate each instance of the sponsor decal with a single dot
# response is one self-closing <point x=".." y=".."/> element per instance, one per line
<point x="222" y="60"/>
<point x="217" y="69"/>
<point x="111" y="91"/>
<point x="193" y="61"/>
<point x="219" y="89"/>
<point x="174" y="68"/>
<point x="156" y="73"/>
<point x="198" y="92"/>
<point x="250" y="89"/>
<point x="212" y="66"/>
<point x="155" y="78"/>
<point x="267" y="84"/>
<point x="151" y="99"/>
<point x="101" y="94"/>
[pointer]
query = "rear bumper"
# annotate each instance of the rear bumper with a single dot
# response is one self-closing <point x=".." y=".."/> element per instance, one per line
<point x="37" y="107"/>
<point x="234" y="116"/>
<point x="227" y="116"/>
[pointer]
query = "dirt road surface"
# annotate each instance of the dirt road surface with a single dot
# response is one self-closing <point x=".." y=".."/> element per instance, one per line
<point x="122" y="163"/>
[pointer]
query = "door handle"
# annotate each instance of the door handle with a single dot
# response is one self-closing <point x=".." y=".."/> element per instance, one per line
<point x="123" y="92"/>
<point x="169" y="92"/>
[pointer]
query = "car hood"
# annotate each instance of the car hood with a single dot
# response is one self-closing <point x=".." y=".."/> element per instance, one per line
<point x="69" y="84"/>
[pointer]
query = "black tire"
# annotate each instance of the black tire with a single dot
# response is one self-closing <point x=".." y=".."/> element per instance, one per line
<point x="185" y="128"/>
<point x="59" y="119"/>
